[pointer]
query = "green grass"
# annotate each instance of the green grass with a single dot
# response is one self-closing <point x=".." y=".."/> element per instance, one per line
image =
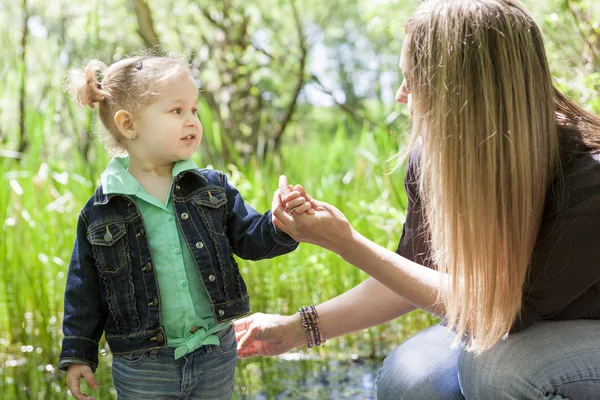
<point x="41" y="196"/>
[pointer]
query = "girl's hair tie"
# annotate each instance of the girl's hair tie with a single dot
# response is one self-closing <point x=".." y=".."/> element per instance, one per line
<point x="138" y="64"/>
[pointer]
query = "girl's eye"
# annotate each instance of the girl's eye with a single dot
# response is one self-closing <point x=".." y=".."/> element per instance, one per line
<point x="194" y="110"/>
<point x="176" y="111"/>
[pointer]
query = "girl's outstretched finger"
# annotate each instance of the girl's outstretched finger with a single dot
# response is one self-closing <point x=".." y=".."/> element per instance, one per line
<point x="284" y="189"/>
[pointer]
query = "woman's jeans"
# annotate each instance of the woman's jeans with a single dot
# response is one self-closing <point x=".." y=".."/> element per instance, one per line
<point x="206" y="373"/>
<point x="550" y="360"/>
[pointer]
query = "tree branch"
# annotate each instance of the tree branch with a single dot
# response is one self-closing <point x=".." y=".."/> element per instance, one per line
<point x="299" y="79"/>
<point x="344" y="107"/>
<point x="145" y="24"/>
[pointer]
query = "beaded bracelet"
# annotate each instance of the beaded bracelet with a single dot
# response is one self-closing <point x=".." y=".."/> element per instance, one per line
<point x="312" y="328"/>
<point x="306" y="326"/>
<point x="317" y="325"/>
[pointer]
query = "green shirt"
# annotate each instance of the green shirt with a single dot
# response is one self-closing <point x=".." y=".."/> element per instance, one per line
<point x="184" y="300"/>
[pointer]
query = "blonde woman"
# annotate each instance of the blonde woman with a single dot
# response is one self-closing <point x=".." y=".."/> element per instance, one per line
<point x="501" y="239"/>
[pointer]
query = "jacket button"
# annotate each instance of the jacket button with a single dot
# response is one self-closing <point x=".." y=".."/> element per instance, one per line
<point x="199" y="245"/>
<point x="221" y="313"/>
<point x="158" y="338"/>
<point x="212" y="278"/>
<point x="177" y="187"/>
<point x="184" y="216"/>
<point x="147" y="267"/>
<point x="154" y="302"/>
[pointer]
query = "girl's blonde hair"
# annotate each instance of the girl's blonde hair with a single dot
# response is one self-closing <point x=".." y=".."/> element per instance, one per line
<point x="128" y="84"/>
<point x="484" y="111"/>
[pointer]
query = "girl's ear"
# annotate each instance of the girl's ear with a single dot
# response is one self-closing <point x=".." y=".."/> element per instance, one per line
<point x="124" y="122"/>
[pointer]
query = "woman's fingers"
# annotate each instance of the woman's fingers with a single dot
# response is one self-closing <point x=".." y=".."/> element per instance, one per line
<point x="298" y="201"/>
<point x="247" y="353"/>
<point x="247" y="337"/>
<point x="241" y="325"/>
<point x="304" y="207"/>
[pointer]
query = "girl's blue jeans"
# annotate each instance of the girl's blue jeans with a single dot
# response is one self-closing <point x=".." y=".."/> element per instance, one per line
<point x="206" y="373"/>
<point x="550" y="360"/>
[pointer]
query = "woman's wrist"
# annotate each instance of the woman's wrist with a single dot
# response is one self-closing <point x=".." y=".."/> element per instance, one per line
<point x="345" y="244"/>
<point x="297" y="330"/>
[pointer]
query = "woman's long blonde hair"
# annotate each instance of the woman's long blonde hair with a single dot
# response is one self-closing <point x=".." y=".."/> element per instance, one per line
<point x="484" y="111"/>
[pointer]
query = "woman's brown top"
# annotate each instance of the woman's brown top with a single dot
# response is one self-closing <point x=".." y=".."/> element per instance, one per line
<point x="564" y="278"/>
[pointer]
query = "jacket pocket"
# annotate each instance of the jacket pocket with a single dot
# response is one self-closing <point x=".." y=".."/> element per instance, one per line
<point x="211" y="205"/>
<point x="109" y="246"/>
<point x="113" y="260"/>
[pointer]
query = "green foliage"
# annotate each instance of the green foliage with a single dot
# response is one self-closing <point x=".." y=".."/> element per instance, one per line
<point x="246" y="56"/>
<point x="40" y="201"/>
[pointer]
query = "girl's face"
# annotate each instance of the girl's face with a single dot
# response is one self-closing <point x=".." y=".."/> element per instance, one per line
<point x="404" y="95"/>
<point x="169" y="130"/>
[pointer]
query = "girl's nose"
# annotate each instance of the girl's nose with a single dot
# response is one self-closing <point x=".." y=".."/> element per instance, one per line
<point x="193" y="120"/>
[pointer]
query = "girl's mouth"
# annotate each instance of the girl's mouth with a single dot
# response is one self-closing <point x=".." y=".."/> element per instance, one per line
<point x="189" y="137"/>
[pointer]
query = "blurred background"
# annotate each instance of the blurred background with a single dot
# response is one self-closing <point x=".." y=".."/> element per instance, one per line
<point x="304" y="88"/>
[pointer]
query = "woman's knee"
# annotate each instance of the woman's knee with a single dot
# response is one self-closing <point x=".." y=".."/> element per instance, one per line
<point x="424" y="367"/>
<point x="488" y="375"/>
<point x="535" y="364"/>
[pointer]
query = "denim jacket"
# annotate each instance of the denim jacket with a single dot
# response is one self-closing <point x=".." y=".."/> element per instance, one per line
<point x="112" y="285"/>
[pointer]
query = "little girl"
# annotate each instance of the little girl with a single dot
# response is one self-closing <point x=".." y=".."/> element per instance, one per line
<point x="153" y="266"/>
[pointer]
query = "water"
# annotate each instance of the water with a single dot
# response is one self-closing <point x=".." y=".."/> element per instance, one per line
<point x="279" y="378"/>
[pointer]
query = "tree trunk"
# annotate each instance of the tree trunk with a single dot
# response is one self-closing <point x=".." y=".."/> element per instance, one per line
<point x="146" y="25"/>
<point x="299" y="81"/>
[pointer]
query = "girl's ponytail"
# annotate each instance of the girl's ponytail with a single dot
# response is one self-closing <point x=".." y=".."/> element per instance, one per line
<point x="83" y="84"/>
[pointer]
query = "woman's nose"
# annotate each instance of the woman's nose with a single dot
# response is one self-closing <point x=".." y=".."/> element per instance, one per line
<point x="401" y="96"/>
<point x="402" y="93"/>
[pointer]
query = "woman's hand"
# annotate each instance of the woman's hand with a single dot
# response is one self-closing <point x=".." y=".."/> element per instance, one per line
<point x="268" y="334"/>
<point x="295" y="202"/>
<point x="328" y="227"/>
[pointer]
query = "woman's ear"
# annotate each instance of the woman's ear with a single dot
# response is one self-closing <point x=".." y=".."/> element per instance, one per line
<point x="124" y="122"/>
